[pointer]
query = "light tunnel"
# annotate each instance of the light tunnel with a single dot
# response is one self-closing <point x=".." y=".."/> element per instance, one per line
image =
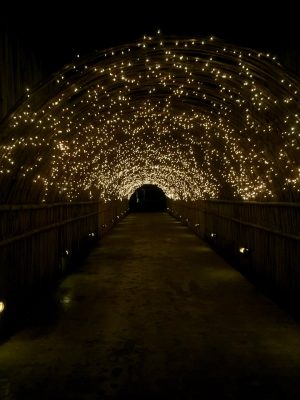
<point x="199" y="118"/>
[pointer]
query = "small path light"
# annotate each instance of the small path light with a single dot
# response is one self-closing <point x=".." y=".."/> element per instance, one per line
<point x="244" y="250"/>
<point x="2" y="306"/>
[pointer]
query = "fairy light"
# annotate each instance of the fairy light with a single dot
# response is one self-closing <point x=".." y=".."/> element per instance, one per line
<point x="191" y="116"/>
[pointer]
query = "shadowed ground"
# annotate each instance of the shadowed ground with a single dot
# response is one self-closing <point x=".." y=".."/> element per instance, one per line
<point x="154" y="313"/>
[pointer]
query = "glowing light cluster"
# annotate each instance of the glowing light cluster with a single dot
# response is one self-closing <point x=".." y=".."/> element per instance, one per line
<point x="198" y="118"/>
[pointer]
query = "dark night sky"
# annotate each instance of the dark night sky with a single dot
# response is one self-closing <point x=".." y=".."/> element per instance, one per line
<point x="57" y="31"/>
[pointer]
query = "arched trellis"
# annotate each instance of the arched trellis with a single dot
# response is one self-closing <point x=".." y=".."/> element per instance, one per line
<point x="199" y="118"/>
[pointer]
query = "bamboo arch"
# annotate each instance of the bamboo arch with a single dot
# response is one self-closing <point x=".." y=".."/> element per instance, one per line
<point x="200" y="118"/>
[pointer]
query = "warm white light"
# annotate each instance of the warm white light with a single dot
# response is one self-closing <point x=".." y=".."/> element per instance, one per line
<point x="66" y="299"/>
<point x="189" y="116"/>
<point x="243" y="250"/>
<point x="2" y="306"/>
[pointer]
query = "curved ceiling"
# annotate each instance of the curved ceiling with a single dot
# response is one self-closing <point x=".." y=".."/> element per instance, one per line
<point x="198" y="118"/>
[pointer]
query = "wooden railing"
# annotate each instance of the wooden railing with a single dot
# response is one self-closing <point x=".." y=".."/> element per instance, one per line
<point x="39" y="243"/>
<point x="261" y="239"/>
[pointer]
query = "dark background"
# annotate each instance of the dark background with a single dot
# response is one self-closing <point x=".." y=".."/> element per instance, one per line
<point x="148" y="198"/>
<point x="57" y="31"/>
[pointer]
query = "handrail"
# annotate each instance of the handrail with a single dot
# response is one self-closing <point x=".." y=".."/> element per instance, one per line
<point x="8" y="207"/>
<point x="44" y="228"/>
<point x="260" y="203"/>
<point x="260" y="227"/>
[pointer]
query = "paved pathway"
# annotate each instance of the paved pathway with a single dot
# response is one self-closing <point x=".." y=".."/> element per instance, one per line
<point x="154" y="313"/>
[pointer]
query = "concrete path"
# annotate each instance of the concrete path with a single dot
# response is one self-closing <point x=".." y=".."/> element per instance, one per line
<point x="154" y="313"/>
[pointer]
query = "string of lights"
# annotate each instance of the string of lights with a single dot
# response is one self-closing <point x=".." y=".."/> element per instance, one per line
<point x="199" y="118"/>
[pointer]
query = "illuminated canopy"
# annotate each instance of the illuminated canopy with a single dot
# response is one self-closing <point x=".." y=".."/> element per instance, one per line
<point x="199" y="118"/>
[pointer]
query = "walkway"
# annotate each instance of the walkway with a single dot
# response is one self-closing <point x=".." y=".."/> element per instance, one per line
<point x="154" y="313"/>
